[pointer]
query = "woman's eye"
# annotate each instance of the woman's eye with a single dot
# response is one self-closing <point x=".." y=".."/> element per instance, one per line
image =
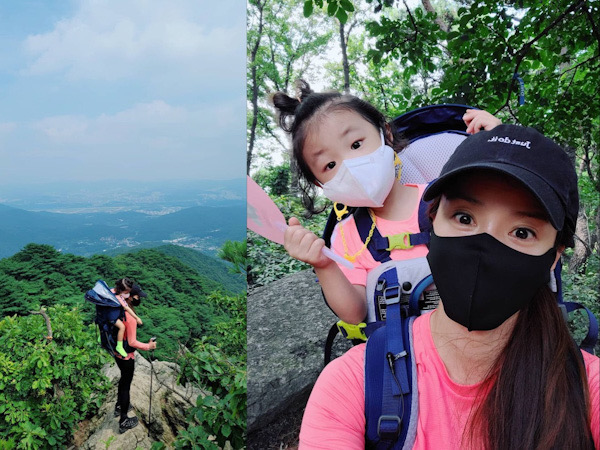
<point x="330" y="165"/>
<point x="464" y="219"/>
<point x="356" y="145"/>
<point x="524" y="233"/>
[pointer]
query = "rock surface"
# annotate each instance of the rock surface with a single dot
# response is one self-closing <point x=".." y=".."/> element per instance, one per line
<point x="169" y="403"/>
<point x="288" y="322"/>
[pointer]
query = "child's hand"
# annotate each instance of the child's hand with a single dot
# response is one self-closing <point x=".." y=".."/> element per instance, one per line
<point x="139" y="321"/>
<point x="304" y="245"/>
<point x="476" y="119"/>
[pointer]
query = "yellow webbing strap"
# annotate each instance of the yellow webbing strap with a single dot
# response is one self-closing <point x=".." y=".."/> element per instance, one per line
<point x="400" y="241"/>
<point x="351" y="331"/>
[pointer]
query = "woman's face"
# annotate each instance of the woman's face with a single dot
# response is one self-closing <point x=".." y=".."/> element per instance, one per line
<point x="338" y="135"/>
<point x="486" y="202"/>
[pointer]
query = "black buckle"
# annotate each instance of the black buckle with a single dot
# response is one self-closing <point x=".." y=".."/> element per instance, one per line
<point x="392" y="427"/>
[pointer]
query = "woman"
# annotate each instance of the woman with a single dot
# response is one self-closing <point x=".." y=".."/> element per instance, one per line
<point x="127" y="364"/>
<point x="496" y="367"/>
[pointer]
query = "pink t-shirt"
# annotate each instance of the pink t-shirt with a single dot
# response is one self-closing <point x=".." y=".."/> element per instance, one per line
<point x="334" y="416"/>
<point x="131" y="332"/>
<point x="365" y="262"/>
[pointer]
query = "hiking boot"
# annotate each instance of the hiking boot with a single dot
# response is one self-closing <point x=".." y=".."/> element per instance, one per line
<point x="128" y="424"/>
<point x="117" y="412"/>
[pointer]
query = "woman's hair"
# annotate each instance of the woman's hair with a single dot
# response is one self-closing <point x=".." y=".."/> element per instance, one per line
<point x="539" y="395"/>
<point x="123" y="285"/>
<point x="538" y="392"/>
<point x="296" y="115"/>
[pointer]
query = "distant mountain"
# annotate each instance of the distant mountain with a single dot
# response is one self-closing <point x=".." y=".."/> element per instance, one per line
<point x="123" y="195"/>
<point x="204" y="228"/>
<point x="205" y="265"/>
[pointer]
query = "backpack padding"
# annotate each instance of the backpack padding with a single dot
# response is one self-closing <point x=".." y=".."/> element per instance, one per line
<point x="431" y="120"/>
<point x="378" y="378"/>
<point x="422" y="161"/>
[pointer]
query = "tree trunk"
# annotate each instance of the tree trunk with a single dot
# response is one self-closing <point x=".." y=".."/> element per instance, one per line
<point x="438" y="20"/>
<point x="582" y="249"/>
<point x="345" y="64"/>
<point x="254" y="81"/>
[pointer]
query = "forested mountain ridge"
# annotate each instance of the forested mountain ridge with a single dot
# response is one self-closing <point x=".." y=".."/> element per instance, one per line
<point x="176" y="310"/>
<point x="206" y="265"/>
<point x="202" y="227"/>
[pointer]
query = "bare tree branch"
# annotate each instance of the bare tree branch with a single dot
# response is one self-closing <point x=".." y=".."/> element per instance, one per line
<point x="42" y="312"/>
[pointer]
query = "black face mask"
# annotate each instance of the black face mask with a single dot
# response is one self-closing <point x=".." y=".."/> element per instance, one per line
<point x="136" y="302"/>
<point x="483" y="282"/>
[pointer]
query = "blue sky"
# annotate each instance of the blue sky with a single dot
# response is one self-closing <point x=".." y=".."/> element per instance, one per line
<point x="108" y="89"/>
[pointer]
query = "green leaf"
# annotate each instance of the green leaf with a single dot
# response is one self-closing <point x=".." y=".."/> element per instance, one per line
<point x="341" y="15"/>
<point x="226" y="430"/>
<point x="308" y="8"/>
<point x="332" y="8"/>
<point x="347" y="5"/>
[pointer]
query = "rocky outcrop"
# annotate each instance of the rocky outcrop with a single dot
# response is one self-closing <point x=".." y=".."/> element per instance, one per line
<point x="288" y="322"/>
<point x="169" y="403"/>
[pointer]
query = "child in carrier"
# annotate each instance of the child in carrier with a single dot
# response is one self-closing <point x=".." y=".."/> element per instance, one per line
<point x="345" y="146"/>
<point x="121" y="290"/>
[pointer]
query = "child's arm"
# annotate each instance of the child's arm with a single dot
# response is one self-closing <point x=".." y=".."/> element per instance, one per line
<point x="477" y="119"/>
<point x="130" y="311"/>
<point x="348" y="301"/>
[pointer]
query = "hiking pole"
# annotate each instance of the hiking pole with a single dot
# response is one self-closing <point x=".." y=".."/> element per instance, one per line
<point x="150" y="405"/>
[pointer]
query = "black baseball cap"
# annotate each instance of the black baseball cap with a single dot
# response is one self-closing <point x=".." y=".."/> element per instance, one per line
<point x="137" y="290"/>
<point x="527" y="155"/>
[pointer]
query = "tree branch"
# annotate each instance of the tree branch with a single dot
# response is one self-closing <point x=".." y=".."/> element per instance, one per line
<point x="595" y="30"/>
<point x="42" y="312"/>
<point x="525" y="49"/>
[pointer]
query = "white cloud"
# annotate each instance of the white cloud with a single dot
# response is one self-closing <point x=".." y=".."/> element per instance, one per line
<point x="167" y="139"/>
<point x="7" y="127"/>
<point x="114" y="39"/>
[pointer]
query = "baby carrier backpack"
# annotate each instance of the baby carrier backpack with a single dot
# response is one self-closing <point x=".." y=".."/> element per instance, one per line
<point x="398" y="291"/>
<point x="108" y="311"/>
<point x="433" y="133"/>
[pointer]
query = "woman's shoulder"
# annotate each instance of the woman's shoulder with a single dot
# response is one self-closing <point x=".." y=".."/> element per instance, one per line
<point x="346" y="371"/>
<point x="592" y="367"/>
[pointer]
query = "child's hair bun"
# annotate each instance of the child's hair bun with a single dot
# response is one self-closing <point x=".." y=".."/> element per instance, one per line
<point x="286" y="106"/>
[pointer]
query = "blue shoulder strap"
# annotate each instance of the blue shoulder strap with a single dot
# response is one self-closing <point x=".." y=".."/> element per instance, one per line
<point x="390" y="380"/>
<point x="391" y="417"/>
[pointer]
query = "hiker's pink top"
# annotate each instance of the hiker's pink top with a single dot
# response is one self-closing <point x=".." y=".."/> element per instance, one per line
<point x="365" y="262"/>
<point x="335" y="418"/>
<point x="130" y="333"/>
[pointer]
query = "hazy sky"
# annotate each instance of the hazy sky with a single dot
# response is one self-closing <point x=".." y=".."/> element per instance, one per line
<point x="104" y="89"/>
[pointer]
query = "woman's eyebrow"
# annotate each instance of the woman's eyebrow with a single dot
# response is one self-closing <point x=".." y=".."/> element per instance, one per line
<point x="460" y="195"/>
<point x="534" y="214"/>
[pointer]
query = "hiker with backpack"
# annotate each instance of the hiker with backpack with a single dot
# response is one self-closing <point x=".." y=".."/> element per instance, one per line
<point x="345" y="146"/>
<point x="126" y="364"/>
<point x="494" y="365"/>
<point x="122" y="291"/>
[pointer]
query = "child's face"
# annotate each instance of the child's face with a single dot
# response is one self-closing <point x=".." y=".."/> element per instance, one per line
<point x="334" y="137"/>
<point x="497" y="205"/>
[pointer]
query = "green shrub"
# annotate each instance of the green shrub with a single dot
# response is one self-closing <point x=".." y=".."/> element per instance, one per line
<point x="47" y="386"/>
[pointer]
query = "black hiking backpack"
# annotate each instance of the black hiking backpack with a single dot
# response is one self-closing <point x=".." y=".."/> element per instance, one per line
<point x="108" y="311"/>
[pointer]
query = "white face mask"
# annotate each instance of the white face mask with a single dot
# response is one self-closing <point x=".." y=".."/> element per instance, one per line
<point x="363" y="181"/>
